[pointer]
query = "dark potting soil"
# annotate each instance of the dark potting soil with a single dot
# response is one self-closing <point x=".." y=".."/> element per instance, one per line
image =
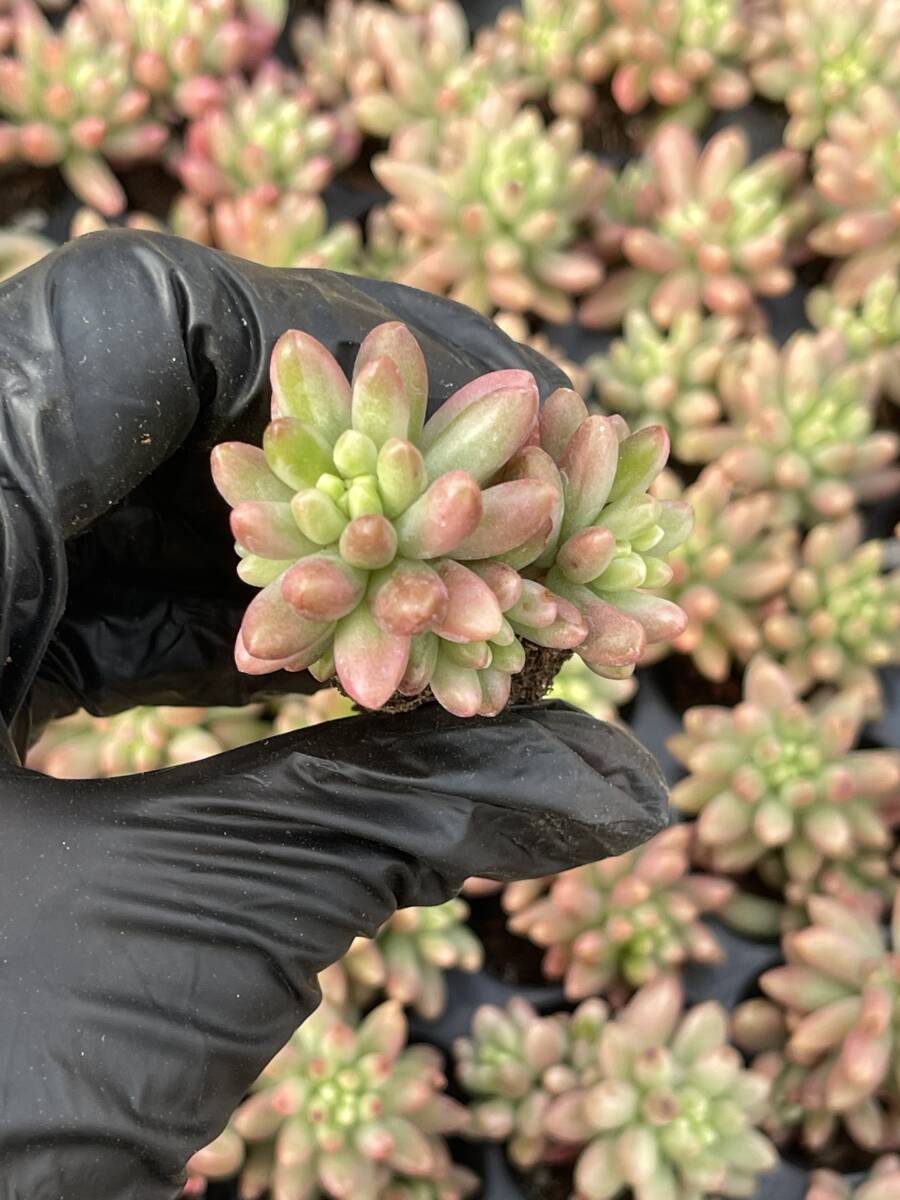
<point x="548" y="1181"/>
<point x="685" y="687"/>
<point x="29" y="189"/>
<point x="512" y="959"/>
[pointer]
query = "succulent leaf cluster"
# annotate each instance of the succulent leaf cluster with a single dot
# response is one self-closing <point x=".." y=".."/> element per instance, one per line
<point x="69" y="99"/>
<point x="670" y="1111"/>
<point x="881" y="1182"/>
<point x="494" y="216"/>
<point x="838" y="621"/>
<point x="344" y="1110"/>
<point x="385" y="559"/>
<point x="182" y="50"/>
<point x="665" y="377"/>
<point x="407" y="959"/>
<point x="681" y="54"/>
<point x="514" y="1063"/>
<point x="870" y="328"/>
<point x="801" y="420"/>
<point x="776" y="785"/>
<point x="839" y="994"/>
<point x="142" y="739"/>
<point x="713" y="231"/>
<point x="818" y="56"/>
<point x="857" y="175"/>
<point x="283" y="229"/>
<point x="612" y="926"/>
<point x="559" y="48"/>
<point x="740" y="554"/>
<point x="576" y="684"/>
<point x="266" y="135"/>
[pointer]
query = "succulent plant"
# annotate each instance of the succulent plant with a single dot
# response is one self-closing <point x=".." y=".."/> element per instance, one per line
<point x="839" y="619"/>
<point x="578" y="685"/>
<point x="407" y="959"/>
<point x="346" y="1110"/>
<point x="70" y="100"/>
<point x="518" y="327"/>
<point x="182" y="50"/>
<point x="339" y="516"/>
<point x="494" y="217"/>
<point x="559" y="48"/>
<point x="88" y="220"/>
<point x="670" y="1110"/>
<point x="801" y="420"/>
<point x="665" y="377"/>
<point x="142" y="739"/>
<point x="870" y="329"/>
<point x="777" y="786"/>
<point x="840" y="995"/>
<point x="612" y="926"/>
<point x="299" y="712"/>
<point x="716" y="236"/>
<point x="881" y="1182"/>
<point x="682" y="54"/>
<point x="817" y="56"/>
<point x="515" y="1062"/>
<point x="20" y="247"/>
<point x="857" y="175"/>
<point x="327" y="49"/>
<point x="266" y="137"/>
<point x="741" y="552"/>
<point x="279" y="230"/>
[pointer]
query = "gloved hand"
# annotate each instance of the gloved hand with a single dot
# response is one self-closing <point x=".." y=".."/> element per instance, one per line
<point x="160" y="935"/>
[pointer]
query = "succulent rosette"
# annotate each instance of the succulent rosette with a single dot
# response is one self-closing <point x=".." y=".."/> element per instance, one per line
<point x="142" y="739"/>
<point x="514" y="1063"/>
<point x="496" y="215"/>
<point x="283" y="229"/>
<point x="611" y="926"/>
<point x="69" y="99"/>
<point x="818" y="56"/>
<point x="559" y="48"/>
<point x="838" y="621"/>
<point x="840" y="997"/>
<point x="740" y="554"/>
<point x="182" y="50"/>
<point x="268" y="136"/>
<point x="668" y="1108"/>
<point x="713" y="231"/>
<point x="881" y="1182"/>
<point x="344" y="1110"/>
<point x="801" y="419"/>
<point x="682" y="54"/>
<point x="665" y="377"/>
<point x="870" y="328"/>
<point x="399" y="554"/>
<point x="408" y="959"/>
<point x="857" y="175"/>
<point x="777" y="785"/>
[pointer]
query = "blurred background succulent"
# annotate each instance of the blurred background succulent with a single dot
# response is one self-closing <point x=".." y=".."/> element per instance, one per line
<point x="817" y="56"/>
<point x="612" y="926"/>
<point x="577" y="684"/>
<point x="493" y="216"/>
<point x="870" y="328"/>
<point x="857" y="175"/>
<point x="716" y="235"/>
<point x="740" y="553"/>
<point x="802" y="421"/>
<point x="684" y="55"/>
<point x="345" y="1109"/>
<point x="840" y="996"/>
<point x="838" y="621"/>
<point x="407" y="960"/>
<point x="515" y="1062"/>
<point x="881" y="1182"/>
<point x="267" y="136"/>
<point x="777" y="785"/>
<point x="20" y="246"/>
<point x="69" y="99"/>
<point x="670" y="1110"/>
<point x="182" y="50"/>
<point x="665" y="377"/>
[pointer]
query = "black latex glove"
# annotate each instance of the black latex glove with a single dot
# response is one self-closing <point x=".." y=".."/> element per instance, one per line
<point x="160" y="935"/>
